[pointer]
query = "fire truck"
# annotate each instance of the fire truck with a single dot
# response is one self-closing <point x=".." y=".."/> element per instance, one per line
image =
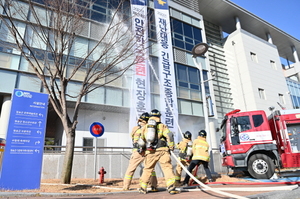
<point x="258" y="145"/>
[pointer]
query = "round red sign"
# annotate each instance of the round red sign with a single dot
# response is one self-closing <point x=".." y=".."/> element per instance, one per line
<point x="97" y="129"/>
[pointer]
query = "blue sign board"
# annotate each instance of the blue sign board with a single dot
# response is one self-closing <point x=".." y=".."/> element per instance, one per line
<point x="139" y="2"/>
<point x="97" y="129"/>
<point x="23" y="154"/>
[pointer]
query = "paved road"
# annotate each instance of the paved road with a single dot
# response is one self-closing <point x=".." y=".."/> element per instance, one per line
<point x="289" y="192"/>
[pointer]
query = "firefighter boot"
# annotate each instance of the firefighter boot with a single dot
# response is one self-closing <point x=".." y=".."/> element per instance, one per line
<point x="154" y="189"/>
<point x="143" y="191"/>
<point x="172" y="190"/>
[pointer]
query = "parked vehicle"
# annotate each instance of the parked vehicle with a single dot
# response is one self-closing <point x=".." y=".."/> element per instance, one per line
<point x="257" y="144"/>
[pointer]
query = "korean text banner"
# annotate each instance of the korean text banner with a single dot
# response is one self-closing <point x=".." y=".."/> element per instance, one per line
<point x="168" y="96"/>
<point x="140" y="101"/>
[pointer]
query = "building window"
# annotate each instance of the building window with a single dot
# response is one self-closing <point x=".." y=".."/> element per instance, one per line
<point x="184" y="35"/>
<point x="189" y="89"/>
<point x="281" y="98"/>
<point x="253" y="57"/>
<point x="273" y="65"/>
<point x="190" y="108"/>
<point x="188" y="82"/>
<point x="151" y="25"/>
<point x="186" y="18"/>
<point x="294" y="92"/>
<point x="88" y="142"/>
<point x="114" y="96"/>
<point x="261" y="93"/>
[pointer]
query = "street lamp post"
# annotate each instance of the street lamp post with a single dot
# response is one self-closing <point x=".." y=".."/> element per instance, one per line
<point x="198" y="51"/>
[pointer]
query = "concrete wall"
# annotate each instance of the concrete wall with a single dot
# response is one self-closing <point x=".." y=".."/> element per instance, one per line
<point x="115" y="164"/>
<point x="249" y="73"/>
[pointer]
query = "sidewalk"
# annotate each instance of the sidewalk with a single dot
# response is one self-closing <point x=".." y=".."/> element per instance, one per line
<point x="224" y="187"/>
<point x="242" y="191"/>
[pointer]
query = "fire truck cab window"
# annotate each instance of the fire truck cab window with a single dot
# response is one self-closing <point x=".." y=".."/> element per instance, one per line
<point x="243" y="123"/>
<point x="238" y="125"/>
<point x="257" y="120"/>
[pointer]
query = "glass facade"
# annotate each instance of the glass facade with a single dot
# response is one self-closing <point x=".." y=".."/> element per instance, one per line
<point x="294" y="88"/>
<point x="185" y="36"/>
<point x="96" y="11"/>
<point x="186" y="33"/>
<point x="188" y="82"/>
<point x="189" y="89"/>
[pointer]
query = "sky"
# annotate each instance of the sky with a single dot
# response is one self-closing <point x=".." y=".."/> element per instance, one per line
<point x="284" y="14"/>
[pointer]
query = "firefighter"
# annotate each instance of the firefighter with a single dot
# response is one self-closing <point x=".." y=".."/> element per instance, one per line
<point x="185" y="152"/>
<point x="137" y="156"/>
<point x="200" y="156"/>
<point x="159" y="141"/>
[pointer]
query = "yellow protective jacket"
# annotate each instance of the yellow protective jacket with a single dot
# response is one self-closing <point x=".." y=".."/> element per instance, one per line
<point x="135" y="135"/>
<point x="163" y="132"/>
<point x="136" y="132"/>
<point x="182" y="145"/>
<point x="200" y="149"/>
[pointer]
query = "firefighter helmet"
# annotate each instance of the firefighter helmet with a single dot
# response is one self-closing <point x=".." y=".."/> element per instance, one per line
<point x="187" y="135"/>
<point x="155" y="113"/>
<point x="202" y="133"/>
<point x="145" y="116"/>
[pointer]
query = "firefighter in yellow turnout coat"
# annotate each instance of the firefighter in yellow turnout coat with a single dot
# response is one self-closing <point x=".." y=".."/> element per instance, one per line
<point x="185" y="152"/>
<point x="157" y="150"/>
<point x="138" y="155"/>
<point x="200" y="156"/>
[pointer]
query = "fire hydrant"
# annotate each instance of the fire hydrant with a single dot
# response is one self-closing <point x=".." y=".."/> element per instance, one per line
<point x="101" y="172"/>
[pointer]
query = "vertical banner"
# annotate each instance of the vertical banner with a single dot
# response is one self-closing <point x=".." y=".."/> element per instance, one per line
<point x="168" y="96"/>
<point x="140" y="100"/>
<point x="23" y="154"/>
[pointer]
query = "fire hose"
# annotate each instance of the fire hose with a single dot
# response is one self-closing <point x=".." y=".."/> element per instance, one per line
<point x="203" y="185"/>
<point x="218" y="190"/>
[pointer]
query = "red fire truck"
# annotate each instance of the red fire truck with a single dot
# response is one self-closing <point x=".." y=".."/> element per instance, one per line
<point x="257" y="144"/>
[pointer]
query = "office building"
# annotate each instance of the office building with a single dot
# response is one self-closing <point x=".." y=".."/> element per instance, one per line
<point x="242" y="70"/>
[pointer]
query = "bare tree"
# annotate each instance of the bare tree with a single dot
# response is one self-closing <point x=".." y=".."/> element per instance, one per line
<point x="54" y="28"/>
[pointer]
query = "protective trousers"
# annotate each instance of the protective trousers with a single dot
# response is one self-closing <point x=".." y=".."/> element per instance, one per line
<point x="179" y="169"/>
<point x="193" y="164"/>
<point x="135" y="160"/>
<point x="164" y="159"/>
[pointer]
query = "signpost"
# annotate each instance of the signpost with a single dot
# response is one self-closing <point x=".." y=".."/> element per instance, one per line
<point x="97" y="130"/>
<point x="23" y="154"/>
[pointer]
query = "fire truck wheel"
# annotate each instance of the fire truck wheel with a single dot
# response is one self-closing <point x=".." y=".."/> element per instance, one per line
<point x="261" y="166"/>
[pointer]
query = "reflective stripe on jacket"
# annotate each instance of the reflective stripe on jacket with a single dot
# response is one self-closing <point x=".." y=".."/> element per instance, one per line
<point x="200" y="149"/>
<point x="135" y="135"/>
